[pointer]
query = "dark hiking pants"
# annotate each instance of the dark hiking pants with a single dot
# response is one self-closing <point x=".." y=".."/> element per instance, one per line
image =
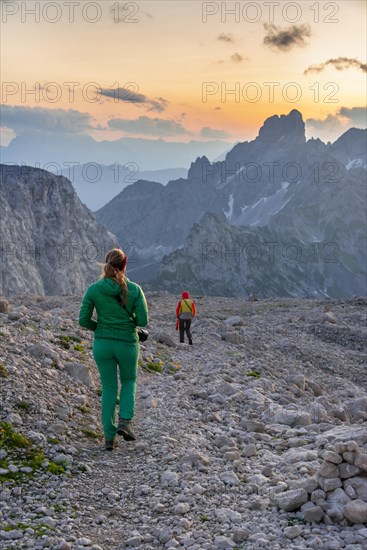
<point x="184" y="326"/>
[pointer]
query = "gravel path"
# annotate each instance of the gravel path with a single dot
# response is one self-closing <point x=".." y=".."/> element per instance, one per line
<point x="226" y="429"/>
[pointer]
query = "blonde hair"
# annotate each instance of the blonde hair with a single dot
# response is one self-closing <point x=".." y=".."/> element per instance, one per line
<point x="114" y="268"/>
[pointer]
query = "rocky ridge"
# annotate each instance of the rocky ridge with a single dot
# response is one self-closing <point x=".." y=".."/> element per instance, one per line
<point x="50" y="241"/>
<point x="254" y="437"/>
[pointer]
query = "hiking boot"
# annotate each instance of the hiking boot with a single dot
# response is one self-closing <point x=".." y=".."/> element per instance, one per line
<point x="110" y="444"/>
<point x="190" y="342"/>
<point x="124" y="429"/>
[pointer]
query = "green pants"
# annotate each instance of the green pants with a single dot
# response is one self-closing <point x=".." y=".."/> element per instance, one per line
<point x="113" y="357"/>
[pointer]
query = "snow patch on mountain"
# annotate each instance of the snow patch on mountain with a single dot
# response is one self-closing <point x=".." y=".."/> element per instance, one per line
<point x="265" y="208"/>
<point x="229" y="212"/>
<point x="355" y="163"/>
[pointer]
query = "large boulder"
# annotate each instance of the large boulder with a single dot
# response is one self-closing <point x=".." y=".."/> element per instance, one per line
<point x="357" y="409"/>
<point x="359" y="484"/>
<point x="291" y="500"/>
<point x="81" y="372"/>
<point x="4" y="305"/>
<point x="356" y="511"/>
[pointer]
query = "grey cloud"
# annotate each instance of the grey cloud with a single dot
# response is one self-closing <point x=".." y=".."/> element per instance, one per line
<point x="131" y="96"/>
<point x="20" y="118"/>
<point x="236" y="58"/>
<point x="159" y="104"/>
<point x="339" y="63"/>
<point x="335" y="124"/>
<point x="285" y="40"/>
<point x="226" y="37"/>
<point x="357" y="115"/>
<point x="213" y="133"/>
<point x="146" y="125"/>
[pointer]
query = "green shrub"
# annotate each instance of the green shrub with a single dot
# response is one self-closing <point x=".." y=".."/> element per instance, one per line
<point x="9" y="439"/>
<point x="80" y="348"/>
<point x="55" y="469"/>
<point x="90" y="433"/>
<point x="254" y="374"/>
<point x="23" y="405"/>
<point x="3" y="371"/>
<point x="53" y="440"/>
<point x="64" y="343"/>
<point x="59" y="508"/>
<point x="36" y="460"/>
<point x="21" y="452"/>
<point x="154" y="366"/>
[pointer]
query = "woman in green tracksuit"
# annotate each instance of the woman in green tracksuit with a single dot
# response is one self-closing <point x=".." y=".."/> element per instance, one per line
<point x="116" y="343"/>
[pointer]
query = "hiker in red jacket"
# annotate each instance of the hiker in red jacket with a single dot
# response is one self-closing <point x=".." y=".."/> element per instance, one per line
<point x="185" y="311"/>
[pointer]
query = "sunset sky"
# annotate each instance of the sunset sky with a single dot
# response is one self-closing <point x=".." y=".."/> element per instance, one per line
<point x="168" y="54"/>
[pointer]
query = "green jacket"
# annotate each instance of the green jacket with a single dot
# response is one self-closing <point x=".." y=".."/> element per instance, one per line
<point x="112" y="320"/>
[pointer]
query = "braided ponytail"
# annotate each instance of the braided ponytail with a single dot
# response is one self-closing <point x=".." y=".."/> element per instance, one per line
<point x="114" y="269"/>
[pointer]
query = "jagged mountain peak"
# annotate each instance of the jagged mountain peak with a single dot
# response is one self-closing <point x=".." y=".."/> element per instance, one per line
<point x="196" y="168"/>
<point x="289" y="127"/>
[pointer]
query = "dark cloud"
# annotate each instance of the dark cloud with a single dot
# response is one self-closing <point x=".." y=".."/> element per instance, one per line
<point x="332" y="123"/>
<point x="146" y="125"/>
<point x="226" y="37"/>
<point x="207" y="132"/>
<point x="339" y="63"/>
<point x="285" y="40"/>
<point x="357" y="115"/>
<point x="158" y="104"/>
<point x="133" y="96"/>
<point x="237" y="58"/>
<point x="124" y="94"/>
<point x="333" y="126"/>
<point x="20" y="118"/>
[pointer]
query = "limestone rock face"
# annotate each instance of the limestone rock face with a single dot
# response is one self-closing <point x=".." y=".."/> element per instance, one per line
<point x="51" y="242"/>
<point x="291" y="128"/>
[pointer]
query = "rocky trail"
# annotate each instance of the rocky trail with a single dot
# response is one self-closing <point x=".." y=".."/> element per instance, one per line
<point x="254" y="437"/>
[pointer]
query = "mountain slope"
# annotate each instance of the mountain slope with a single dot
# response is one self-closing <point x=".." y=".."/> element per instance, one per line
<point x="226" y="260"/>
<point x="50" y="242"/>
<point x="351" y="148"/>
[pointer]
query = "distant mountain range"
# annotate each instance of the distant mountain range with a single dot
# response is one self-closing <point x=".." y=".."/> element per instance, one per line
<point x="99" y="170"/>
<point x="32" y="148"/>
<point x="307" y="197"/>
<point x="98" y="184"/>
<point x="278" y="216"/>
